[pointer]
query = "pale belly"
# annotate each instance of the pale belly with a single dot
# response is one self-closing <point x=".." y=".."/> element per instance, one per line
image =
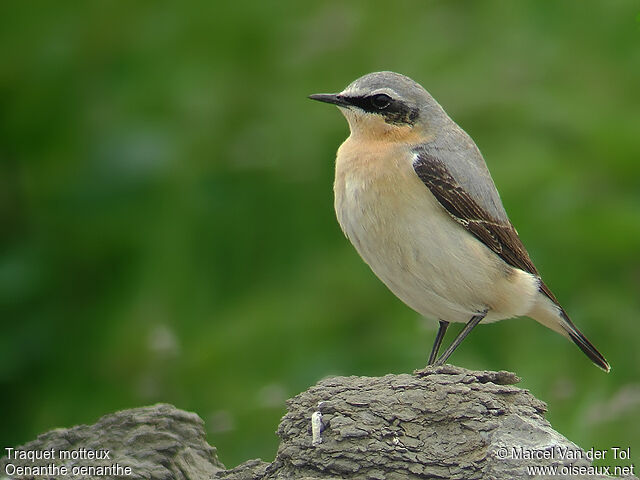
<point x="425" y="258"/>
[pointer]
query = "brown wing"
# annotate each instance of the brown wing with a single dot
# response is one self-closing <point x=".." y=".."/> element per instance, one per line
<point x="498" y="236"/>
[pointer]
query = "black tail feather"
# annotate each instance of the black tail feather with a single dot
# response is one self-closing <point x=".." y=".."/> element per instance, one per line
<point x="585" y="345"/>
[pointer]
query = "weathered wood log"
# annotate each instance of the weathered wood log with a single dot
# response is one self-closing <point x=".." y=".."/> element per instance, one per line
<point x="159" y="442"/>
<point x="446" y="422"/>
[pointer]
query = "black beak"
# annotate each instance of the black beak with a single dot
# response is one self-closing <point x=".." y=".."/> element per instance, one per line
<point x="333" y="98"/>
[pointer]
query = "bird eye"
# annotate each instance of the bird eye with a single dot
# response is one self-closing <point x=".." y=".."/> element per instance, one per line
<point x="380" y="101"/>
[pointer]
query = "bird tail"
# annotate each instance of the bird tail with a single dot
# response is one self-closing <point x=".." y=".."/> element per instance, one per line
<point x="553" y="316"/>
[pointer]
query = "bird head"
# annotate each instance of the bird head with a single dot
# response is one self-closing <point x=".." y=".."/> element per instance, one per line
<point x="386" y="103"/>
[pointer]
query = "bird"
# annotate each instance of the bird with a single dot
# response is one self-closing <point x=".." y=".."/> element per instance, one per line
<point x="414" y="196"/>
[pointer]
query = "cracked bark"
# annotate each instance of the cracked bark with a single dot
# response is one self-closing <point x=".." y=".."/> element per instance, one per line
<point x="444" y="422"/>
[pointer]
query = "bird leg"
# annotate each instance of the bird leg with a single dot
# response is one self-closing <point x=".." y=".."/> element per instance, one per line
<point x="475" y="320"/>
<point x="438" y="341"/>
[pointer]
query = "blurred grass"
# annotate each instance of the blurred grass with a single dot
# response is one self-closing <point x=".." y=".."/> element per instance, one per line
<point x="166" y="205"/>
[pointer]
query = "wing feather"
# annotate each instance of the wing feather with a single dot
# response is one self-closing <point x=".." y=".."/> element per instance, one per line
<point x="498" y="235"/>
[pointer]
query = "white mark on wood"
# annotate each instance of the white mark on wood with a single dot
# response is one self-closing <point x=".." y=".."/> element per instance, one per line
<point x="316" y="428"/>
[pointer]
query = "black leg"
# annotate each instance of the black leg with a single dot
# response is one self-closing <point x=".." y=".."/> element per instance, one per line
<point x="438" y="341"/>
<point x="475" y="320"/>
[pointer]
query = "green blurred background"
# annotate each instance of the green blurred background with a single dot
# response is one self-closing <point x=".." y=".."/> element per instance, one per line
<point x="168" y="232"/>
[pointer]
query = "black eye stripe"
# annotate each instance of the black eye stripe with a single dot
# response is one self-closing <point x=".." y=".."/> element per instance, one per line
<point x="395" y="112"/>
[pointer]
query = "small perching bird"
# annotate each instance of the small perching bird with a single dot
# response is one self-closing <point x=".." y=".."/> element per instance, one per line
<point x="415" y="198"/>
